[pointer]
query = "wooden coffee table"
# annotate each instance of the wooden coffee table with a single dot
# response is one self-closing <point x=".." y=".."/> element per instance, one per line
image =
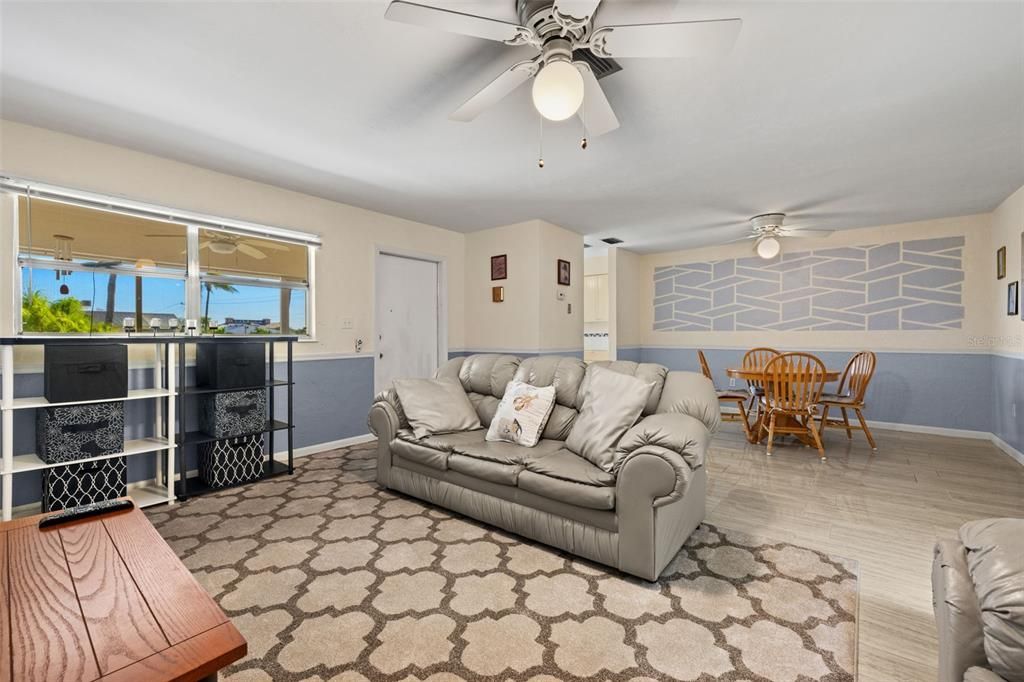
<point x="107" y="599"/>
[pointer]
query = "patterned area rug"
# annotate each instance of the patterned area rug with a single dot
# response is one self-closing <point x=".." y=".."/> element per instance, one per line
<point x="331" y="578"/>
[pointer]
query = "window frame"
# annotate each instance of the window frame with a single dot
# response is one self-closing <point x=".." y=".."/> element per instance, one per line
<point x="191" y="276"/>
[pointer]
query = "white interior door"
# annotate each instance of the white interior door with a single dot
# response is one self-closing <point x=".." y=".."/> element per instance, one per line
<point x="407" y="319"/>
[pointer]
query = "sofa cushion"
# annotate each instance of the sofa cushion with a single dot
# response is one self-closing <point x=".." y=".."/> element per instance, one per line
<point x="433" y="451"/>
<point x="487" y="373"/>
<point x="612" y="402"/>
<point x="995" y="560"/>
<point x="507" y="453"/>
<point x="648" y="372"/>
<point x="436" y="406"/>
<point x="691" y="393"/>
<point x="564" y="373"/>
<point x="567" y="477"/>
<point x="485" y="469"/>
<point x="522" y="414"/>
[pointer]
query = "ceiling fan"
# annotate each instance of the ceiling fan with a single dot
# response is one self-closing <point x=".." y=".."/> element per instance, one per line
<point x="227" y="244"/>
<point x="767" y="231"/>
<point x="570" y="46"/>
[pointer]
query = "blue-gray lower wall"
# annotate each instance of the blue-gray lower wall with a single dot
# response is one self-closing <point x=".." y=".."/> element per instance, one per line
<point x="1008" y="400"/>
<point x="947" y="390"/>
<point x="331" y="400"/>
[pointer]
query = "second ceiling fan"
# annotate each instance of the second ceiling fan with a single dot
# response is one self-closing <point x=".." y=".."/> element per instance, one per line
<point x="564" y="81"/>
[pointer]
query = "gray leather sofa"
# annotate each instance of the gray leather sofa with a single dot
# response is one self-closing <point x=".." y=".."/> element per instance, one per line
<point x="978" y="595"/>
<point x="635" y="518"/>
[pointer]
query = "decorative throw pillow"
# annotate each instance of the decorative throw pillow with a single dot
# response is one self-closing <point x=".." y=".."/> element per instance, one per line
<point x="522" y="414"/>
<point x="611" y="403"/>
<point x="436" y="406"/>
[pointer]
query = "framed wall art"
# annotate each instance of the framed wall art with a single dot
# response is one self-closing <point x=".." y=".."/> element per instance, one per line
<point x="564" y="272"/>
<point x="499" y="267"/>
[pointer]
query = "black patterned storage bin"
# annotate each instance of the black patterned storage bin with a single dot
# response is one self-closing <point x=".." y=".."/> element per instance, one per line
<point x="77" y="484"/>
<point x="231" y="461"/>
<point x="65" y="434"/>
<point x="223" y="415"/>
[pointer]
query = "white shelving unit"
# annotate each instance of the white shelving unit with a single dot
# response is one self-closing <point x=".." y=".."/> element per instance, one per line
<point x="158" y="491"/>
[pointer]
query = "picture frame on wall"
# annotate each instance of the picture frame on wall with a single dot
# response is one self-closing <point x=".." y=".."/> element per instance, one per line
<point x="1012" y="298"/>
<point x="1001" y="262"/>
<point x="499" y="267"/>
<point x="564" y="272"/>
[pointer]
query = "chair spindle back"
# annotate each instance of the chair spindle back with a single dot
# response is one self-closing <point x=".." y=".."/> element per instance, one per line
<point x="794" y="382"/>
<point x="857" y="375"/>
<point x="704" y="369"/>
<point x="758" y="358"/>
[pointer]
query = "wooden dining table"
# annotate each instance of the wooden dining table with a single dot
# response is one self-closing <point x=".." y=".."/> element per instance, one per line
<point x="757" y="433"/>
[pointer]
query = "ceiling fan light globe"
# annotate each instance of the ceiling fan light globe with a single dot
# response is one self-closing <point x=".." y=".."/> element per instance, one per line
<point x="558" y="90"/>
<point x="768" y="248"/>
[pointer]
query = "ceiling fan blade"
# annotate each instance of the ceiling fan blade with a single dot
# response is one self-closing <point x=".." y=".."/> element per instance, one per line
<point x="742" y="239"/>
<point x="496" y="90"/>
<point x="574" y="12"/>
<point x="599" y="116"/>
<point x="251" y="251"/>
<point x="676" y="39"/>
<point x="796" y="232"/>
<point x="455" y="22"/>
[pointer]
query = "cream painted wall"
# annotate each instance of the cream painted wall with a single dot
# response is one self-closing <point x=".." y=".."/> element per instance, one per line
<point x="531" y="319"/>
<point x="1007" y="333"/>
<point x="977" y="323"/>
<point x="345" y="263"/>
<point x="630" y="289"/>
<point x="513" y="324"/>
<point x="561" y="321"/>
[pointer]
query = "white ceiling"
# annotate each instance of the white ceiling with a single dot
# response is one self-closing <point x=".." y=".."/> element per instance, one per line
<point x="842" y="114"/>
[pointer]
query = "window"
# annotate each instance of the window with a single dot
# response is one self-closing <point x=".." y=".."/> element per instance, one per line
<point x="85" y="268"/>
<point x="251" y="285"/>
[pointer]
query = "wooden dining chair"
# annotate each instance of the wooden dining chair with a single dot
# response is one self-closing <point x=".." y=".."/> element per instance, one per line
<point x="757" y="358"/>
<point x="793" y="386"/>
<point x="850" y="396"/>
<point x="739" y="398"/>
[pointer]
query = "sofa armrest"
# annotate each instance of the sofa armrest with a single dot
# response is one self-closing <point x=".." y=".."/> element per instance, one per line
<point x="663" y="451"/>
<point x="691" y="394"/>
<point x="957" y="612"/>
<point x="386" y="415"/>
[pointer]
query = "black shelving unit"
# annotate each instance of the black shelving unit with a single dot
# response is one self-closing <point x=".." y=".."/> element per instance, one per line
<point x="189" y="486"/>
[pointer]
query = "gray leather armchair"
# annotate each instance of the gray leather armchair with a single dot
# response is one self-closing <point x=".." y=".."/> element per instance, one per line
<point x="978" y="596"/>
<point x="634" y="518"/>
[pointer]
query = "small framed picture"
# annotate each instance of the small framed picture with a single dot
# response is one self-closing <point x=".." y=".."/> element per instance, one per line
<point x="1001" y="262"/>
<point x="1012" y="298"/>
<point x="499" y="267"/>
<point x="563" y="272"/>
<point x="497" y="294"/>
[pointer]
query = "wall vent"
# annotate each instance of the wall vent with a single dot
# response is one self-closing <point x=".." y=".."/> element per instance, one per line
<point x="612" y="240"/>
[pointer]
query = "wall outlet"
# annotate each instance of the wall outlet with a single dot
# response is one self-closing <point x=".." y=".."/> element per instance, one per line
<point x="346" y="323"/>
<point x="1013" y="409"/>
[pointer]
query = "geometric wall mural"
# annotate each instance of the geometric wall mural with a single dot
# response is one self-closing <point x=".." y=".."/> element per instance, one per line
<point x="907" y="285"/>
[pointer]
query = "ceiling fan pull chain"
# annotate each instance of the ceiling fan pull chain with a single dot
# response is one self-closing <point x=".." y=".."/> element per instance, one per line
<point x="583" y="120"/>
<point x="540" y="155"/>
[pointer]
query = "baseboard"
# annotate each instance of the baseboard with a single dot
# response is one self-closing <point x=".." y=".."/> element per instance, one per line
<point x="1008" y="449"/>
<point x="329" y="445"/>
<point x="1015" y="454"/>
